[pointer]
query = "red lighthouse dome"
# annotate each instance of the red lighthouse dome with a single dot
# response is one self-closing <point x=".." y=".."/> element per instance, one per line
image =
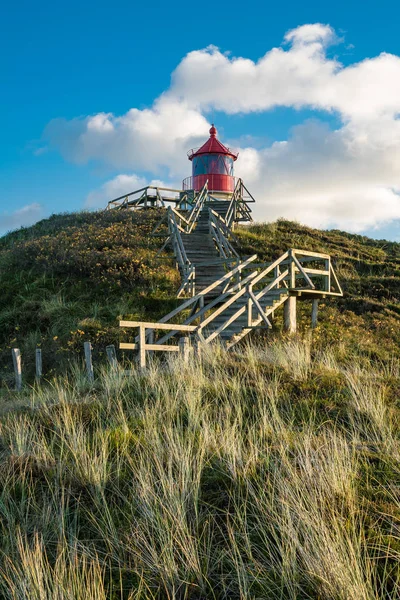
<point x="213" y="162"/>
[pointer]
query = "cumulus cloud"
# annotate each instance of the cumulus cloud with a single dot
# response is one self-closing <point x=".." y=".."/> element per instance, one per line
<point x="325" y="178"/>
<point x="349" y="177"/>
<point x="21" y="217"/>
<point x="149" y="139"/>
<point x="311" y="33"/>
<point x="120" y="185"/>
<point x="320" y="177"/>
<point x="300" y="77"/>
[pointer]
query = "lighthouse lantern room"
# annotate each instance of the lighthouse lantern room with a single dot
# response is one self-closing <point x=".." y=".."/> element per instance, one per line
<point x="212" y="163"/>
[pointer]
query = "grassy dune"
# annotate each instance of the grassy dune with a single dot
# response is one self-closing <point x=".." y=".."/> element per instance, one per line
<point x="270" y="473"/>
<point x="70" y="278"/>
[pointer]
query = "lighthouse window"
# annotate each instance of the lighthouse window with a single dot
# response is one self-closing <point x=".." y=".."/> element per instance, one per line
<point x="212" y="163"/>
<point x="228" y="165"/>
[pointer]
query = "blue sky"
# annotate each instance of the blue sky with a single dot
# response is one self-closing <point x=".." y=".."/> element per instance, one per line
<point x="76" y="60"/>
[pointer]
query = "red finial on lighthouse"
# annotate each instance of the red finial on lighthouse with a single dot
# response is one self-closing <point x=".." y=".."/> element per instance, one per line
<point x="213" y="131"/>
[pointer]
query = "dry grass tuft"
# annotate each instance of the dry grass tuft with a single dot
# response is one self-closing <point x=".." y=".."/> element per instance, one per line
<point x="272" y="473"/>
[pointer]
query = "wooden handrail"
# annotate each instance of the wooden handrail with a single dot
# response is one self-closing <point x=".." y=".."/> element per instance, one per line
<point x="243" y="289"/>
<point x="203" y="309"/>
<point x="144" y="189"/>
<point x="200" y="199"/>
<point x="303" y="272"/>
<point x="221" y="224"/>
<point x="243" y="265"/>
<point x="256" y="297"/>
<point x="259" y="308"/>
<point x="270" y="267"/>
<point x="226" y="249"/>
<point x="163" y="326"/>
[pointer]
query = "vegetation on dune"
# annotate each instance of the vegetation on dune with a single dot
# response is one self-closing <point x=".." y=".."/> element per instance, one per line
<point x="366" y="319"/>
<point x="70" y="278"/>
<point x="269" y="473"/>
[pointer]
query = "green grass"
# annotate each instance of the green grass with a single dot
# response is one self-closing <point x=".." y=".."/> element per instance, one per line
<point x="70" y="278"/>
<point x="366" y="319"/>
<point x="268" y="473"/>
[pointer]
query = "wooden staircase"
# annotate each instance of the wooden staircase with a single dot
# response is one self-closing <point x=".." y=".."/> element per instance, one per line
<point x="246" y="302"/>
<point x="229" y="297"/>
<point x="219" y="206"/>
<point x="239" y="328"/>
<point x="202" y="252"/>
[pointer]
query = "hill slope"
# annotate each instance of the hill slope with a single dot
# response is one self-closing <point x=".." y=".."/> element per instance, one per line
<point x="71" y="277"/>
<point x="268" y="472"/>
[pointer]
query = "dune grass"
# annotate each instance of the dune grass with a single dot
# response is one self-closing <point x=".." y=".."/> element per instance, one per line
<point x="270" y="473"/>
<point x="72" y="277"/>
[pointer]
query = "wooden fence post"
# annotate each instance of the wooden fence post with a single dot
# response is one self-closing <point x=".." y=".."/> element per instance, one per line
<point x="184" y="348"/>
<point x="249" y="312"/>
<point x="112" y="356"/>
<point x="142" y="347"/>
<point x="197" y="348"/>
<point x="314" y="313"/>
<point x="88" y="360"/>
<point x="16" y="354"/>
<point x="290" y="314"/>
<point x="38" y="363"/>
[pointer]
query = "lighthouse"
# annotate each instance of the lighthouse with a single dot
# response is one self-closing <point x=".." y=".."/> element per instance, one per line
<point x="212" y="182"/>
<point x="212" y="163"/>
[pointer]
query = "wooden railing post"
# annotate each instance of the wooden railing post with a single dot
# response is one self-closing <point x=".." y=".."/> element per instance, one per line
<point x="38" y="364"/>
<point x="238" y="273"/>
<point x="16" y="355"/>
<point x="292" y="271"/>
<point x="184" y="348"/>
<point x="142" y="346"/>
<point x="290" y="320"/>
<point x="328" y="277"/>
<point x="112" y="356"/>
<point x="201" y="305"/>
<point x="197" y="348"/>
<point x="88" y="360"/>
<point x="249" y="309"/>
<point x="277" y="272"/>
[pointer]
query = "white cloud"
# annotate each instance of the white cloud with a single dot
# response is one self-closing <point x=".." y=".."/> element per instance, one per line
<point x="120" y="185"/>
<point x="149" y="139"/>
<point x="22" y="217"/>
<point x="326" y="178"/>
<point x="300" y="77"/>
<point x="311" y="33"/>
<point x="348" y="178"/>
